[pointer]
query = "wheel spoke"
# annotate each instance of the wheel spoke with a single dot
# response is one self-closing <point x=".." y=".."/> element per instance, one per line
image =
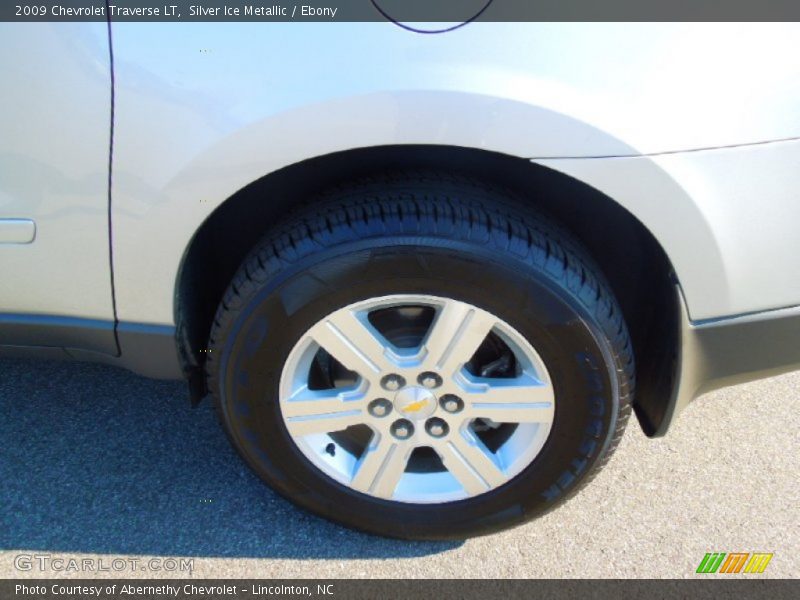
<point x="308" y="412"/>
<point x="455" y="335"/>
<point x="350" y="341"/>
<point x="521" y="400"/>
<point x="380" y="468"/>
<point x="469" y="461"/>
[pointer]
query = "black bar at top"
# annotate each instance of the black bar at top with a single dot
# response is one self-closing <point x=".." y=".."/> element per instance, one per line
<point x="407" y="11"/>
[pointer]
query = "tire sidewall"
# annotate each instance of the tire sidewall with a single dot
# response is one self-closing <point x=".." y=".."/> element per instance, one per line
<point x="564" y="333"/>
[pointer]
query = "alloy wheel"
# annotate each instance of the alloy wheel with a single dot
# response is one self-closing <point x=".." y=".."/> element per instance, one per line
<point x="416" y="398"/>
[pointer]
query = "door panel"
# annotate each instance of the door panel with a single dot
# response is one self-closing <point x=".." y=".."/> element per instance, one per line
<point x="54" y="157"/>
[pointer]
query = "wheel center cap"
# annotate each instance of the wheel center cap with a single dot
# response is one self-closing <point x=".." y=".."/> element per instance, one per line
<point x="415" y="403"/>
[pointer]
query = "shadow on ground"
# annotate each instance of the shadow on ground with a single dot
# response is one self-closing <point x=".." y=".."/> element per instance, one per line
<point x="94" y="459"/>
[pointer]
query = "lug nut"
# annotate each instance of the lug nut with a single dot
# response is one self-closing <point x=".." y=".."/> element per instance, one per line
<point x="380" y="407"/>
<point x="429" y="380"/>
<point x="392" y="382"/>
<point x="402" y="429"/>
<point x="437" y="427"/>
<point x="451" y="403"/>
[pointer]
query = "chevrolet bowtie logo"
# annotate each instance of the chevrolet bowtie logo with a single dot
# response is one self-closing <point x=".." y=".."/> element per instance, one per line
<point x="415" y="406"/>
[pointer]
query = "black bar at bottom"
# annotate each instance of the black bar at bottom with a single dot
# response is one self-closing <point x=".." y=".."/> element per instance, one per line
<point x="439" y="589"/>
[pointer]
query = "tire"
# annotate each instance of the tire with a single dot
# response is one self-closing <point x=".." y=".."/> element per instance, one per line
<point x="458" y="245"/>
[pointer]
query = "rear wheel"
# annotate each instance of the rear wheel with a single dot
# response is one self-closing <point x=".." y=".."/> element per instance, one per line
<point x="419" y="357"/>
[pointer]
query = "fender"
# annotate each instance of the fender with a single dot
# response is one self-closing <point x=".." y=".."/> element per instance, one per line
<point x="202" y="111"/>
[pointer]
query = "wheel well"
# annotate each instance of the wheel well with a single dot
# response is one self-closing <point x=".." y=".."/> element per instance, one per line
<point x="634" y="263"/>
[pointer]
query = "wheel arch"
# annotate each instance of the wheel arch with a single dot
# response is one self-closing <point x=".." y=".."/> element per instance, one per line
<point x="643" y="280"/>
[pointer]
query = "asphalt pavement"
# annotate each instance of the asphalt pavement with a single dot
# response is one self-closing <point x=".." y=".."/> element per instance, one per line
<point x="98" y="463"/>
